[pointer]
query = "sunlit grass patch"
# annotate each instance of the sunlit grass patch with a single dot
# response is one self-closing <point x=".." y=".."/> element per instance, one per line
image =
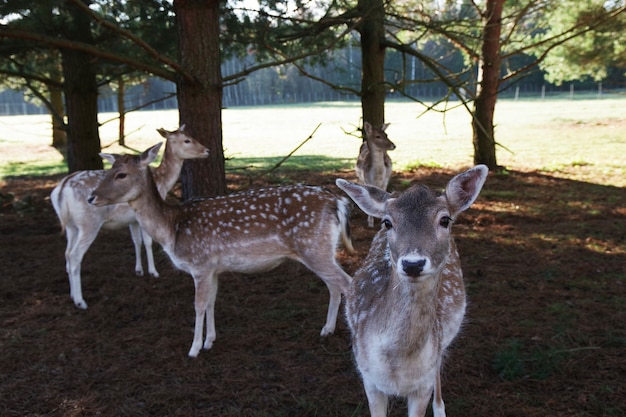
<point x="417" y="164"/>
<point x="582" y="139"/>
<point x="32" y="168"/>
<point x="318" y="163"/>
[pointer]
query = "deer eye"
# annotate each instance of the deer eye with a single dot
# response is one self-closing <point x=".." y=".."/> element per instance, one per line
<point x="120" y="176"/>
<point x="387" y="223"/>
<point x="187" y="141"/>
<point x="445" y="221"/>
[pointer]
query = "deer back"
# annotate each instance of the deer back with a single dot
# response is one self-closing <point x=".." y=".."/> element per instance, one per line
<point x="255" y="230"/>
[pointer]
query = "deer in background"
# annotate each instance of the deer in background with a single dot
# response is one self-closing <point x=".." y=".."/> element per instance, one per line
<point x="407" y="301"/>
<point x="247" y="232"/>
<point x="373" y="165"/>
<point x="82" y="221"/>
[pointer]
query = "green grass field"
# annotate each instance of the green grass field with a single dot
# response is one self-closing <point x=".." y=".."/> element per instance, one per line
<point x="552" y="135"/>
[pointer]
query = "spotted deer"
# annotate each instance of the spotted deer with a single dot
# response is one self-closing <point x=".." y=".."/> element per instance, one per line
<point x="82" y="221"/>
<point x="373" y="165"/>
<point x="247" y="232"/>
<point x="407" y="301"/>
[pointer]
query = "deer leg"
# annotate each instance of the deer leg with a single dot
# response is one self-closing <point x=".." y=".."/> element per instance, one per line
<point x="136" y="235"/>
<point x="337" y="282"/>
<point x="418" y="403"/>
<point x="377" y="400"/>
<point x="210" y="312"/>
<point x="333" y="310"/>
<point x="439" y="409"/>
<point x="206" y="291"/>
<point x="147" y="242"/>
<point x="78" y="242"/>
<point x="71" y="233"/>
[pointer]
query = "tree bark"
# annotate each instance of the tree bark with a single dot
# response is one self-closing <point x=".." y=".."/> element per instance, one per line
<point x="200" y="99"/>
<point x="487" y="87"/>
<point x="81" y="97"/>
<point x="372" y="32"/>
<point x="59" y="137"/>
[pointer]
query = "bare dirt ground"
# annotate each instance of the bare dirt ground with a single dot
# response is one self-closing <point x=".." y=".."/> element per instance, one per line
<point x="545" y="333"/>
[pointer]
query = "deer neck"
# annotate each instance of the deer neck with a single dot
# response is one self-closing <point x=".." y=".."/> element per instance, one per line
<point x="377" y="162"/>
<point x="416" y="304"/>
<point x="154" y="215"/>
<point x="166" y="174"/>
<point x="377" y="155"/>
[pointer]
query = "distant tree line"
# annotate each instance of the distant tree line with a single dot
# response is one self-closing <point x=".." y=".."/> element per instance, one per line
<point x="286" y="85"/>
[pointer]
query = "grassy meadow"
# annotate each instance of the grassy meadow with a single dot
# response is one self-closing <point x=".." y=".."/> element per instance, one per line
<point x="586" y="138"/>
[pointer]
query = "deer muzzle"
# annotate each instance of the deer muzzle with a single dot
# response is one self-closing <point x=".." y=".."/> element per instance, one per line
<point x="414" y="266"/>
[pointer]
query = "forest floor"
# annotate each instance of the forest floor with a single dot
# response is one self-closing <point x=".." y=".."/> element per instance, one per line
<point x="544" y="257"/>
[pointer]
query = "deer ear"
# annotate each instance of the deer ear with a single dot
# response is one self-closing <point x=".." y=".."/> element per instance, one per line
<point x="463" y="189"/>
<point x="367" y="128"/>
<point x="370" y="199"/>
<point x="163" y="132"/>
<point x="181" y="129"/>
<point x="385" y="126"/>
<point x="149" y="155"/>
<point x="108" y="156"/>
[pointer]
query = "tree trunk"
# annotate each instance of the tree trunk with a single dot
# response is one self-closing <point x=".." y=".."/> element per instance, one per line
<point x="487" y="87"/>
<point x="372" y="32"/>
<point x="59" y="137"/>
<point x="200" y="99"/>
<point x="81" y="97"/>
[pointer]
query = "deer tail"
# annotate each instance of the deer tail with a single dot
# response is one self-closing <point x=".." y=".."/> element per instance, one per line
<point x="343" y="213"/>
<point x="59" y="205"/>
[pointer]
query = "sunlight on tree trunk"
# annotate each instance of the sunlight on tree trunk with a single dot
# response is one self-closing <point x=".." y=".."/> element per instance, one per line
<point x="59" y="137"/>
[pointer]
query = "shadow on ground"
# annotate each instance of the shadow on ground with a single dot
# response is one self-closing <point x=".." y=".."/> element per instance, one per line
<point x="544" y="260"/>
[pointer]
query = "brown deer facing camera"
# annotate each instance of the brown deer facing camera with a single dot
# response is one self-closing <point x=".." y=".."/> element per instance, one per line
<point x="407" y="301"/>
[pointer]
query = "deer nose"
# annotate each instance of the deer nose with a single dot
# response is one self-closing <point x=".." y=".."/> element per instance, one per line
<point x="413" y="268"/>
<point x="91" y="199"/>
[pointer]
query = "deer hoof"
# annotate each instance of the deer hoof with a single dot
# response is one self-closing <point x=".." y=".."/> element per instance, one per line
<point x="327" y="331"/>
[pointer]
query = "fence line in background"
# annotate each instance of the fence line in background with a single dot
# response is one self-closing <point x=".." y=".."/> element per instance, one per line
<point x="232" y="98"/>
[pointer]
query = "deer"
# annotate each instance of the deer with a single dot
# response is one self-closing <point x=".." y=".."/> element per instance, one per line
<point x="246" y="232"/>
<point x="81" y="221"/>
<point x="373" y="165"/>
<point x="407" y="300"/>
